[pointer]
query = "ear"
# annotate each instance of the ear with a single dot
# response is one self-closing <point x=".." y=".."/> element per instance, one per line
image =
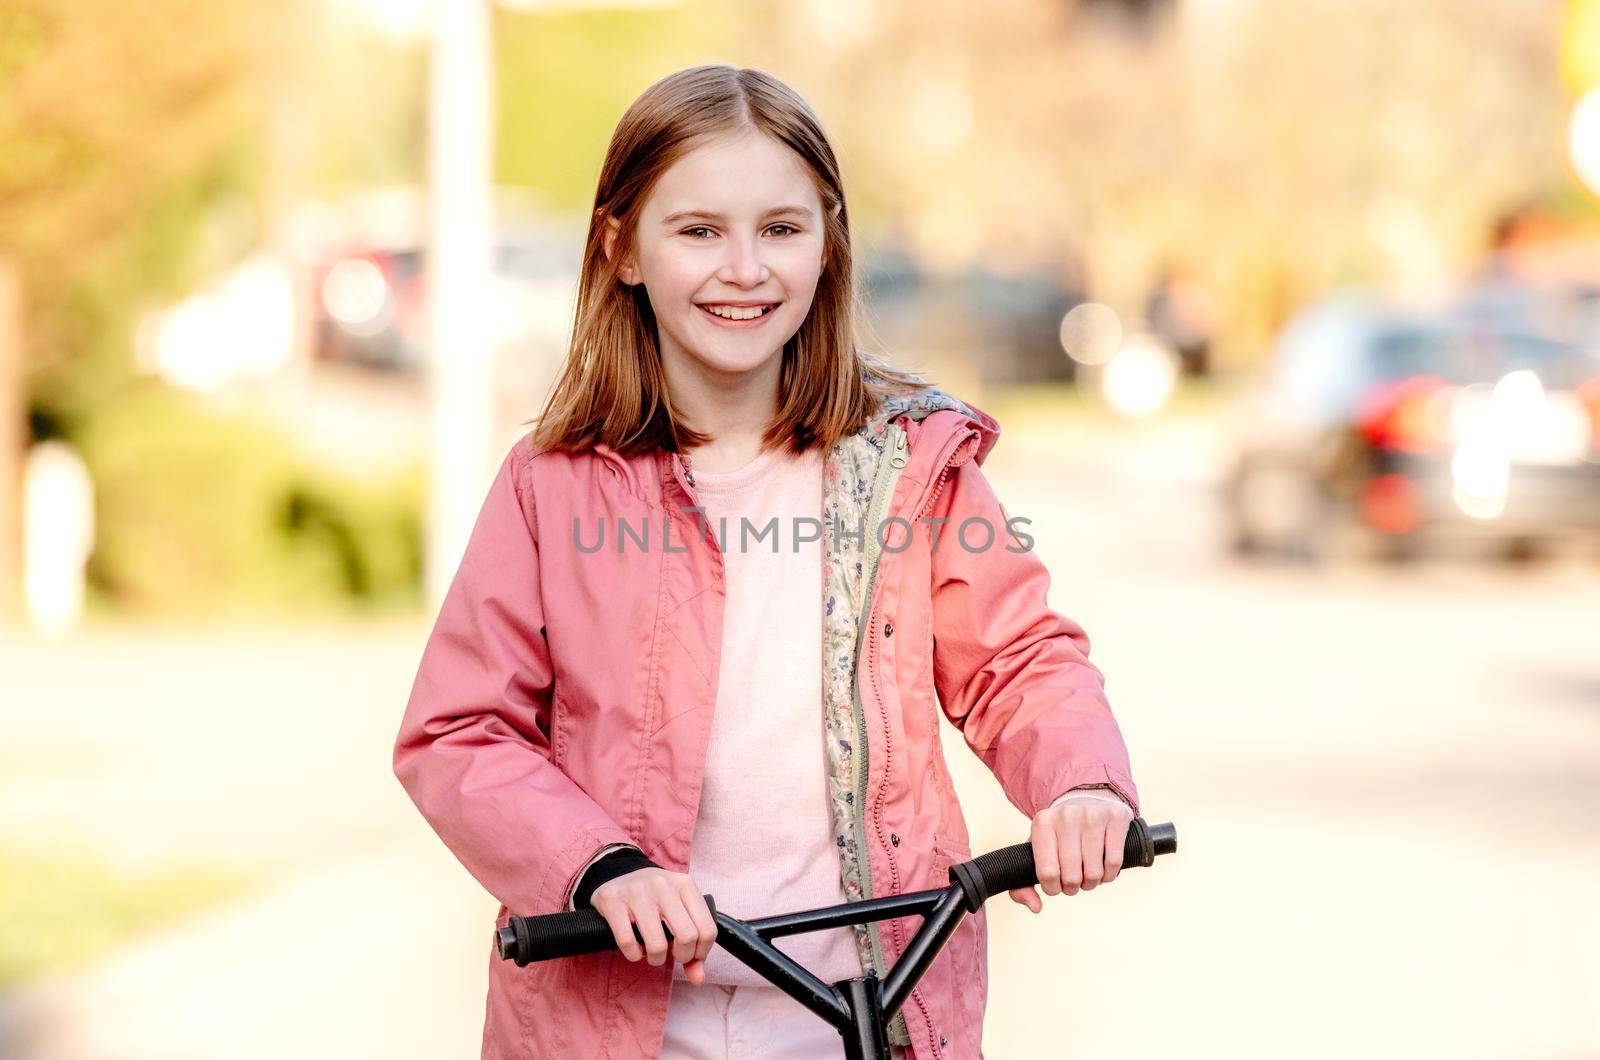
<point x="608" y="242"/>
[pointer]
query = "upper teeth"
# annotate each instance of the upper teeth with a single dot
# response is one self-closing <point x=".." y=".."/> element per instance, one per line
<point x="735" y="312"/>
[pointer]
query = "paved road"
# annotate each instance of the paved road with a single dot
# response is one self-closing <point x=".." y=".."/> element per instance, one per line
<point x="1386" y="783"/>
<point x="1388" y="792"/>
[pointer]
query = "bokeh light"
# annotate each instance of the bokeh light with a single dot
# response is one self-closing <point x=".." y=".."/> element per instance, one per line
<point x="1583" y="139"/>
<point x="1140" y="378"/>
<point x="1091" y="333"/>
<point x="356" y="294"/>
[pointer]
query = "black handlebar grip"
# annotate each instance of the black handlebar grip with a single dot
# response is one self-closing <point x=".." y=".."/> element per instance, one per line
<point x="1011" y="867"/>
<point x="544" y="938"/>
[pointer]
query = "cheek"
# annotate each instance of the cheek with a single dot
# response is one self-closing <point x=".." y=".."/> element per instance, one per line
<point x="800" y="270"/>
<point x="671" y="277"/>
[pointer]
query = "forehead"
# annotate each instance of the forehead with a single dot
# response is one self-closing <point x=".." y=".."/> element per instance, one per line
<point x="742" y="174"/>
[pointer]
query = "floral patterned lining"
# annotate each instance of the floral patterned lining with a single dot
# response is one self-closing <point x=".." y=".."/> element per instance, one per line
<point x="848" y="475"/>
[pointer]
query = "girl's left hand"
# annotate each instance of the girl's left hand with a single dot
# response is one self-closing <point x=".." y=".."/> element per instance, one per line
<point x="1077" y="845"/>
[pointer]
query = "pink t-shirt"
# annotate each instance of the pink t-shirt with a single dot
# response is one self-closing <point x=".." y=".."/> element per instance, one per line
<point x="763" y="842"/>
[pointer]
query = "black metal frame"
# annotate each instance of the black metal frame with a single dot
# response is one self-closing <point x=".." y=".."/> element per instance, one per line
<point x="859" y="1009"/>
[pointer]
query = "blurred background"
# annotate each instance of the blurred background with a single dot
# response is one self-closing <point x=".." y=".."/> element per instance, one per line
<point x="1290" y="313"/>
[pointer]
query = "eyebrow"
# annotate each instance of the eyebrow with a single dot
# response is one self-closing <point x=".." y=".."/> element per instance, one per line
<point x="703" y="215"/>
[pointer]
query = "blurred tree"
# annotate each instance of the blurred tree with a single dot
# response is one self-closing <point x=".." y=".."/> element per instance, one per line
<point x="1281" y="147"/>
<point x="565" y="75"/>
<point x="120" y="125"/>
<point x="353" y="114"/>
<point x="1580" y="44"/>
<point x="147" y="148"/>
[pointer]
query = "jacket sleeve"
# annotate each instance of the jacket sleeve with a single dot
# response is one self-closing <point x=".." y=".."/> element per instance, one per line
<point x="473" y="750"/>
<point x="1013" y="675"/>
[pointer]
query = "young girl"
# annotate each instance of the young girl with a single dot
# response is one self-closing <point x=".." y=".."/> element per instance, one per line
<point x="713" y="608"/>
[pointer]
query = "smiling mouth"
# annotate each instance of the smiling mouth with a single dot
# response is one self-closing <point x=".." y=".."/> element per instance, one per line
<point x="744" y="312"/>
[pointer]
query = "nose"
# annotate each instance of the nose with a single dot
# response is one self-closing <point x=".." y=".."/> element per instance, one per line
<point x="743" y="266"/>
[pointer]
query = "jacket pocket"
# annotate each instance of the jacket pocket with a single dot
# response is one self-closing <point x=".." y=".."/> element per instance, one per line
<point x="962" y="982"/>
<point x="947" y="851"/>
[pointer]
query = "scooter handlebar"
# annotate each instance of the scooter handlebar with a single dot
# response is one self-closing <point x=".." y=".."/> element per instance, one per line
<point x="1011" y="867"/>
<point x="542" y="938"/>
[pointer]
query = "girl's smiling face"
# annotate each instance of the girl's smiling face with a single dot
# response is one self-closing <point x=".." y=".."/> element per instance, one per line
<point x="735" y="223"/>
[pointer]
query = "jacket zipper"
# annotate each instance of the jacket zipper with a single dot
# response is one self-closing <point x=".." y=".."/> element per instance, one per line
<point x="947" y="464"/>
<point x="883" y="490"/>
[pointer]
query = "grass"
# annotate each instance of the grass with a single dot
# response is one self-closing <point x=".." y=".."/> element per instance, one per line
<point x="59" y="911"/>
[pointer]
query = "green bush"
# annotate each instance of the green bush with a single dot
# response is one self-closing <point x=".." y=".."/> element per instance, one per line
<point x="59" y="910"/>
<point x="200" y="512"/>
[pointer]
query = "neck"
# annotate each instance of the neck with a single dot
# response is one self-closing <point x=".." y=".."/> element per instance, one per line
<point x="733" y="407"/>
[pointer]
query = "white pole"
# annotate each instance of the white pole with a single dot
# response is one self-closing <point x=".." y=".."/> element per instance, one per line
<point x="459" y="273"/>
<point x="57" y="536"/>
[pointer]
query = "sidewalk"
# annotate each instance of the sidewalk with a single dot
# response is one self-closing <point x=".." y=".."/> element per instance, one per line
<point x="367" y="956"/>
<point x="264" y="751"/>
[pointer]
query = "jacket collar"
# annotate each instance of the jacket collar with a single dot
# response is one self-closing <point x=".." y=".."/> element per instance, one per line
<point x="920" y="405"/>
<point x="931" y="417"/>
<point x="941" y="431"/>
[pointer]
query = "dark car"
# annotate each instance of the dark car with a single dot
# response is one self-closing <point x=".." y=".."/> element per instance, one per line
<point x="1008" y="325"/>
<point x="1379" y="430"/>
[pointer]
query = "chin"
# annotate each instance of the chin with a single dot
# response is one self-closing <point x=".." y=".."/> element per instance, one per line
<point x="734" y="357"/>
<point x="734" y="365"/>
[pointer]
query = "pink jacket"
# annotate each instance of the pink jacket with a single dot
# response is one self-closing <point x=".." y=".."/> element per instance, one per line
<point x="564" y="701"/>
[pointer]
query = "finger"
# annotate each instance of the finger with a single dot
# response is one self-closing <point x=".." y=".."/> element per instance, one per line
<point x="685" y="936"/>
<point x="621" y="923"/>
<point x="1094" y="856"/>
<point x="695" y="971"/>
<point x="647" y="914"/>
<point x="1046" y="861"/>
<point x="1069" y="842"/>
<point x="695" y="902"/>
<point x="1027" y="896"/>
<point x="1116" y="842"/>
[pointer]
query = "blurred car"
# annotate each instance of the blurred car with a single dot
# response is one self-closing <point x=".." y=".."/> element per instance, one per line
<point x="1377" y="430"/>
<point x="369" y="306"/>
<point x="368" y="309"/>
<point x="1567" y="310"/>
<point x="1008" y="325"/>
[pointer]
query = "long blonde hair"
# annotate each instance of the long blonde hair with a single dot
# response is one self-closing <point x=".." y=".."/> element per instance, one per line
<point x="612" y="388"/>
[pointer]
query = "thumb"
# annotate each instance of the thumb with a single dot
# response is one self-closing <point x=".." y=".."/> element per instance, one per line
<point x="1027" y="896"/>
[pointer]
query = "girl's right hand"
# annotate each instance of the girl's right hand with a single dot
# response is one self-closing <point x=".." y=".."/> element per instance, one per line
<point x="647" y="897"/>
